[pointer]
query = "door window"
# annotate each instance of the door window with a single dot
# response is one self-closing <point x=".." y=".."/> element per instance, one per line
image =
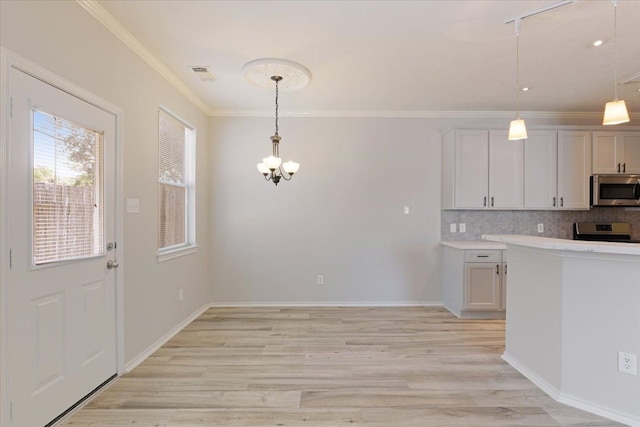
<point x="67" y="190"/>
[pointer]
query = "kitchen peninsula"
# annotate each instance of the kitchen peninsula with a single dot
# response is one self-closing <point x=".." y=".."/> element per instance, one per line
<point x="572" y="307"/>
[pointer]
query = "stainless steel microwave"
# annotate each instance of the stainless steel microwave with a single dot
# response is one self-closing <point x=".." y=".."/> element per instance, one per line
<point x="615" y="190"/>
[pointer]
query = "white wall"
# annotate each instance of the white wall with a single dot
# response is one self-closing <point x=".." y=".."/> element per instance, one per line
<point x="341" y="216"/>
<point x="62" y="37"/>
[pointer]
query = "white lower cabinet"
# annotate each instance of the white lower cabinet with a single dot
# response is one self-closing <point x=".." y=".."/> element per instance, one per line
<point x="474" y="282"/>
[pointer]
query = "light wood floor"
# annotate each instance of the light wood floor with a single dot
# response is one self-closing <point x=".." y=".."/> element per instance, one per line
<point x="329" y="367"/>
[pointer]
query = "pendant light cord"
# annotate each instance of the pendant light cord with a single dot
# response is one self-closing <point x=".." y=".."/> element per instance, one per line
<point x="517" y="25"/>
<point x="615" y="50"/>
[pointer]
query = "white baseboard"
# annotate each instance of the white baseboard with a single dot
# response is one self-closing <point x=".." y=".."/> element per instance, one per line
<point x="331" y="304"/>
<point x="163" y="340"/>
<point x="568" y="399"/>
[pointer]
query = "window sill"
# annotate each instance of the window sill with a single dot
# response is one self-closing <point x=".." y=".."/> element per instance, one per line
<point x="166" y="255"/>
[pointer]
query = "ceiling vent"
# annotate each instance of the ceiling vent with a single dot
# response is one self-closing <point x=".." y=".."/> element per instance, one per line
<point x="203" y="72"/>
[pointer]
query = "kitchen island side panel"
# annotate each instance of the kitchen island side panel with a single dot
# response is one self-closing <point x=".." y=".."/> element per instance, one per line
<point x="601" y="317"/>
<point x="534" y="315"/>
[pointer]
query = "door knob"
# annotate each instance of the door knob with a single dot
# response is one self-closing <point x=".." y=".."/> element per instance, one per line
<point x="112" y="264"/>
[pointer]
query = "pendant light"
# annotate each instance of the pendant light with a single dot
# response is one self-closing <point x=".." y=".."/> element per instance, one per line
<point x="290" y="76"/>
<point x="517" y="128"/>
<point x="615" y="112"/>
<point x="270" y="166"/>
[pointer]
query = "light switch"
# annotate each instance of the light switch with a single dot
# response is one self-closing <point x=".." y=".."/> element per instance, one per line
<point x="133" y="206"/>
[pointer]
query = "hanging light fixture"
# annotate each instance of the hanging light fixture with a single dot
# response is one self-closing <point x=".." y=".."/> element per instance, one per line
<point x="517" y="128"/>
<point x="271" y="166"/>
<point x="290" y="75"/>
<point x="615" y="112"/>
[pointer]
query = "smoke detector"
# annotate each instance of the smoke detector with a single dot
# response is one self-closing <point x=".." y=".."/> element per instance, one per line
<point x="202" y="71"/>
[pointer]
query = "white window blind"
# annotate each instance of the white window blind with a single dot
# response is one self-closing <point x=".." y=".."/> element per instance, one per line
<point x="67" y="216"/>
<point x="174" y="181"/>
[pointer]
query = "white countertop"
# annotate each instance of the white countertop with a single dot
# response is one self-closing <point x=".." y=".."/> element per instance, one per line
<point x="565" y="245"/>
<point x="474" y="244"/>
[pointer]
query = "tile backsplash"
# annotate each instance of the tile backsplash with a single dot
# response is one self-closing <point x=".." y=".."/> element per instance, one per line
<point x="556" y="223"/>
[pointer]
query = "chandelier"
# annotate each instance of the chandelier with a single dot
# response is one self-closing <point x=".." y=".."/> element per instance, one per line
<point x="286" y="75"/>
<point x="271" y="167"/>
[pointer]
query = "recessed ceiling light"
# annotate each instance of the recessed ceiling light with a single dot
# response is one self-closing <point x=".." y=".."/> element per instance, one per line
<point x="597" y="43"/>
<point x="525" y="89"/>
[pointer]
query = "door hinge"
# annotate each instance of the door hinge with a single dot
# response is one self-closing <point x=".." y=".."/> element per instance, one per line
<point x="11" y="107"/>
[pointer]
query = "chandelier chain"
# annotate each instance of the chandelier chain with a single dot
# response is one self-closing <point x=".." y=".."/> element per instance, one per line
<point x="277" y="80"/>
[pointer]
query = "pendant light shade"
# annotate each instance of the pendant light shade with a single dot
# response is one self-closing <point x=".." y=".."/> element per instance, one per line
<point x="517" y="130"/>
<point x="615" y="112"/>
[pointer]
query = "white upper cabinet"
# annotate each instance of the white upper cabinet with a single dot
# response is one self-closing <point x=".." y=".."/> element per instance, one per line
<point x="487" y="171"/>
<point x="541" y="170"/>
<point x="574" y="169"/>
<point x="616" y="152"/>
<point x="484" y="170"/>
<point x="471" y="181"/>
<point x="505" y="171"/>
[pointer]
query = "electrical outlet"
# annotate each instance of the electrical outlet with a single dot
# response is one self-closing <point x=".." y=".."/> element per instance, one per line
<point x="540" y="228"/>
<point x="452" y="227"/>
<point x="180" y="294"/>
<point x="463" y="227"/>
<point x="627" y="363"/>
<point x="320" y="279"/>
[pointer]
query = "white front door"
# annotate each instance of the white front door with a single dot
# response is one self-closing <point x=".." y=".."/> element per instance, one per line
<point x="62" y="323"/>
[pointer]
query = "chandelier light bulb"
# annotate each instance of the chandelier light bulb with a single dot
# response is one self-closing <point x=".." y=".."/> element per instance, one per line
<point x="272" y="162"/>
<point x="291" y="167"/>
<point x="264" y="170"/>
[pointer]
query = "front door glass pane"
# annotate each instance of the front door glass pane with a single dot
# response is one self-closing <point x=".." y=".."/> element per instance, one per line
<point x="67" y="190"/>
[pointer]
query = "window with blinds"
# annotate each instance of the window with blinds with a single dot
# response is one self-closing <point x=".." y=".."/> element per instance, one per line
<point x="175" y="182"/>
<point x="67" y="221"/>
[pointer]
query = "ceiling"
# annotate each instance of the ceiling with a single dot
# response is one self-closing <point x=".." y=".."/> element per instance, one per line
<point x="395" y="57"/>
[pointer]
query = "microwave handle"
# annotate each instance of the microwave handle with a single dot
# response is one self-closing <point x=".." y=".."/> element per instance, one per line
<point x="636" y="191"/>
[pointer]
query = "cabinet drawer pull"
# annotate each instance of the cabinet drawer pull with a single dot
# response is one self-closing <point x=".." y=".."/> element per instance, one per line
<point x="482" y="256"/>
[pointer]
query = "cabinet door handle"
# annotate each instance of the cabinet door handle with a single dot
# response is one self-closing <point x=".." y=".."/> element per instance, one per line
<point x="624" y="168"/>
<point x="561" y="202"/>
<point x="618" y="167"/>
<point x="554" y="201"/>
<point x="498" y="269"/>
<point x="505" y="269"/>
<point x="484" y="202"/>
<point x="491" y="201"/>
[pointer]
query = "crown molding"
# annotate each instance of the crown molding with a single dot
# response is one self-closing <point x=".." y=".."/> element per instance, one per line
<point x="411" y="114"/>
<point x="110" y="23"/>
